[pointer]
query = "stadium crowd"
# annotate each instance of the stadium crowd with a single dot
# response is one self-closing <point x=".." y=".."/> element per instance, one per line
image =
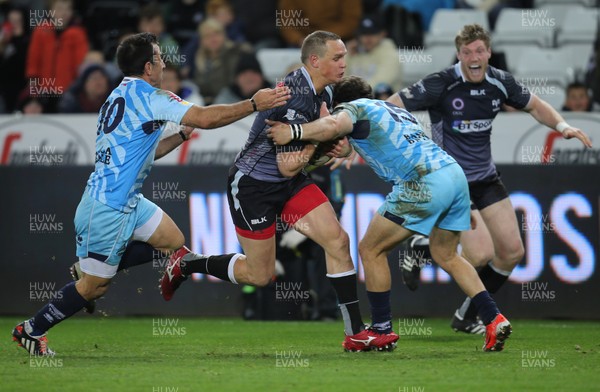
<point x="57" y="56"/>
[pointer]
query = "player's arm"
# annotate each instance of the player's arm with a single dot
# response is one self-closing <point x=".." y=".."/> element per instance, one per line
<point x="422" y="95"/>
<point x="327" y="128"/>
<point x="170" y="143"/>
<point x="216" y="116"/>
<point x="291" y="163"/>
<point x="545" y="114"/>
<point x="396" y="100"/>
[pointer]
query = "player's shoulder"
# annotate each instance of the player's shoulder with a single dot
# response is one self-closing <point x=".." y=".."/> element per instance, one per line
<point x="296" y="80"/>
<point x="165" y="94"/>
<point x="499" y="74"/>
<point x="448" y="75"/>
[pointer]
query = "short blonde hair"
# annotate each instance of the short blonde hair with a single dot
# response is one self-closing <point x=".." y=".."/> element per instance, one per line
<point x="471" y="33"/>
<point x="210" y="24"/>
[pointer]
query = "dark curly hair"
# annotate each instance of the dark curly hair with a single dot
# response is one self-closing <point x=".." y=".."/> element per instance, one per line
<point x="351" y="88"/>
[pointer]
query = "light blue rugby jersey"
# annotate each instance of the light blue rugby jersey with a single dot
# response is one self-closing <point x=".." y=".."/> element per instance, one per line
<point x="129" y="128"/>
<point x="392" y="141"/>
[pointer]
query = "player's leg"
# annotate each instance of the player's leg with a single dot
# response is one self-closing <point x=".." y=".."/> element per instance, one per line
<point x="500" y="224"/>
<point x="311" y="214"/>
<point x="477" y="249"/>
<point x="155" y="233"/>
<point x="102" y="234"/>
<point x="414" y="256"/>
<point x="477" y="245"/>
<point x="383" y="234"/>
<point x="443" y="245"/>
<point x="253" y="205"/>
<point x="321" y="225"/>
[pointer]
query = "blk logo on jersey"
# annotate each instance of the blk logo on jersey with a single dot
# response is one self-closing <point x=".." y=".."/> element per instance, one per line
<point x="478" y="92"/>
<point x="259" y="221"/>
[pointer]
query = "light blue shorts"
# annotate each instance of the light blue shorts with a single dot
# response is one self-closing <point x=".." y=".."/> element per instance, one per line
<point x="102" y="233"/>
<point x="439" y="199"/>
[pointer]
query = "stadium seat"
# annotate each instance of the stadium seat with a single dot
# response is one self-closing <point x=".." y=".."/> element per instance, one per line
<point x="512" y="53"/>
<point x="559" y="12"/>
<point x="275" y="62"/>
<point x="545" y="67"/>
<point x="418" y="63"/>
<point x="586" y="3"/>
<point x="553" y="94"/>
<point x="525" y="27"/>
<point x="579" y="55"/>
<point x="447" y="22"/>
<point x="579" y="27"/>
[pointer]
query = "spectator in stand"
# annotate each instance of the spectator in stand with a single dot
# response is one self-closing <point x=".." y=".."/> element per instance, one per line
<point x="152" y="21"/>
<point x="259" y="23"/>
<point x="28" y="104"/>
<point x="222" y="10"/>
<point x="185" y="16"/>
<point x="96" y="57"/>
<point x="88" y="93"/>
<point x="14" y="40"/>
<point x="185" y="89"/>
<point x="298" y="18"/>
<point x="382" y="91"/>
<point x="373" y="56"/>
<point x="58" y="46"/>
<point x="578" y="99"/>
<point x="425" y="8"/>
<point x="216" y="59"/>
<point x="248" y="80"/>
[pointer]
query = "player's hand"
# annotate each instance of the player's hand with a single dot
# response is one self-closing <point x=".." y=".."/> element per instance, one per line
<point x="573" y="132"/>
<point x="279" y="132"/>
<point x="343" y="152"/>
<point x="269" y="98"/>
<point x="341" y="149"/>
<point x="324" y="111"/>
<point x="337" y="162"/>
<point x="473" y="221"/>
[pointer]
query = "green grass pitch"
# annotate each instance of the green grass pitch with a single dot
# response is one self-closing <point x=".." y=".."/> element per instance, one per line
<point x="191" y="354"/>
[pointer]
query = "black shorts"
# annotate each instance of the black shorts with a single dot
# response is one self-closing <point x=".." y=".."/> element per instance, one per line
<point x="256" y="205"/>
<point x="484" y="193"/>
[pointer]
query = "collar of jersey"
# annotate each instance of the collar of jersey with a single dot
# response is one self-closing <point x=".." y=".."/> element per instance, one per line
<point x="307" y="76"/>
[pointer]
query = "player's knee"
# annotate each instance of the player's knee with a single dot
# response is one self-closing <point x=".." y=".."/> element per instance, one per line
<point x="512" y="255"/>
<point x="339" y="243"/>
<point x="443" y="255"/>
<point x="91" y="290"/>
<point x="260" y="280"/>
<point x="260" y="277"/>
<point x="480" y="257"/>
<point x="366" y="252"/>
<point x="100" y="291"/>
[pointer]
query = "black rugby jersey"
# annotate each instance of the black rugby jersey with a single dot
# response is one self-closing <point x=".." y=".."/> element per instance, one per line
<point x="258" y="158"/>
<point x="462" y="112"/>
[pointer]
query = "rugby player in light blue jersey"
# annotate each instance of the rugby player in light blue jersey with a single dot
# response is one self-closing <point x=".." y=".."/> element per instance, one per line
<point x="430" y="196"/>
<point x="112" y="211"/>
